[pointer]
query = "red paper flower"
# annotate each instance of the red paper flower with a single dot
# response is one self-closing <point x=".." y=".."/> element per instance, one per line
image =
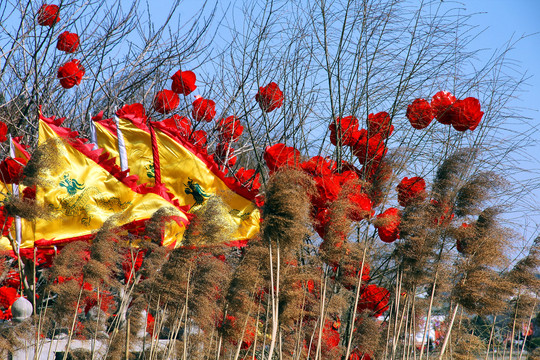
<point x="29" y="193"/>
<point x="166" y="101"/>
<point x="420" y="113"/>
<point x="48" y="15"/>
<point x="70" y="74"/>
<point x="441" y="103"/>
<point x="360" y="206"/>
<point x="466" y="114"/>
<point x="3" y="131"/>
<point x="370" y="150"/>
<point x="322" y="218"/>
<point x="5" y="222"/>
<point x="328" y="189"/>
<point x="411" y="190"/>
<point x="269" y="97"/>
<point x="184" y="82"/>
<point x="8" y="295"/>
<point x="68" y="42"/>
<point x="199" y="138"/>
<point x="388" y="225"/>
<point x="380" y="123"/>
<point x="203" y="109"/>
<point x="225" y="154"/>
<point x="318" y="166"/>
<point x="348" y="127"/>
<point x="279" y="155"/>
<point x="229" y="129"/>
<point x="374" y="299"/>
<point x="358" y="355"/>
<point x="248" y="178"/>
<point x="11" y="170"/>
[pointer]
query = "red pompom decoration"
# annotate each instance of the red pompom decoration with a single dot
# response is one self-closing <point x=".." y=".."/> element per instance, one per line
<point x="184" y="82"/>
<point x="388" y="225"/>
<point x="269" y="97"/>
<point x="411" y="190"/>
<point x="68" y="42"/>
<point x="166" y="101"/>
<point x="70" y="74"/>
<point x="203" y="109"/>
<point x="48" y="15"/>
<point x="420" y="113"/>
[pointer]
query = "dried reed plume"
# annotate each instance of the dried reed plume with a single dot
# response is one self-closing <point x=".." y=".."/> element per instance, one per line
<point x="210" y="225"/>
<point x="287" y="208"/>
<point x="475" y="192"/>
<point x="43" y="160"/>
<point x="450" y="174"/>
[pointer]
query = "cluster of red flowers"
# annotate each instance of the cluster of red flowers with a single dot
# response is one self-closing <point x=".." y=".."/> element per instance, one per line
<point x="369" y="146"/>
<point x="461" y="114"/>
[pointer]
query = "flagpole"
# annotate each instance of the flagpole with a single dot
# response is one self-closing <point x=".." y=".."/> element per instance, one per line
<point x="122" y="153"/>
<point x="155" y="155"/>
<point x="15" y="190"/>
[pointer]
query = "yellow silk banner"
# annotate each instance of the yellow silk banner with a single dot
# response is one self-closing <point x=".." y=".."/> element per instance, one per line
<point x="189" y="177"/>
<point x="138" y="147"/>
<point x="81" y="193"/>
<point x="192" y="179"/>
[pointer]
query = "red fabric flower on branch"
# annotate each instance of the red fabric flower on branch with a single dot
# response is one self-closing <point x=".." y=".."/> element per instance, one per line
<point x="269" y="97"/>
<point x="348" y="127"/>
<point x="48" y="15"/>
<point x="8" y="295"/>
<point x="420" y="114"/>
<point x="11" y="170"/>
<point x="411" y="190"/>
<point x="280" y="155"/>
<point x="360" y="206"/>
<point x="68" y="42"/>
<point x="441" y="103"/>
<point x="328" y="189"/>
<point x="184" y="82"/>
<point x="5" y="222"/>
<point x="203" y="109"/>
<point x="166" y="101"/>
<point x="248" y="178"/>
<point x="3" y="131"/>
<point x="70" y="74"/>
<point x="375" y="299"/>
<point x="380" y="123"/>
<point x="388" y="225"/>
<point x="466" y="114"/>
<point x="229" y="129"/>
<point x="199" y="138"/>
<point x="369" y="150"/>
<point x="318" y="166"/>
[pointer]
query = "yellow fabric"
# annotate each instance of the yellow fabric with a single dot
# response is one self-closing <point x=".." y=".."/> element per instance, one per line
<point x="138" y="149"/>
<point x="181" y="169"/>
<point x="81" y="196"/>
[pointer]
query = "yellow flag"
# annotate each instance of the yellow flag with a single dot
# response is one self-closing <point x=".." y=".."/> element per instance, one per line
<point x="193" y="176"/>
<point x="187" y="173"/>
<point x="137" y="143"/>
<point x="85" y="190"/>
